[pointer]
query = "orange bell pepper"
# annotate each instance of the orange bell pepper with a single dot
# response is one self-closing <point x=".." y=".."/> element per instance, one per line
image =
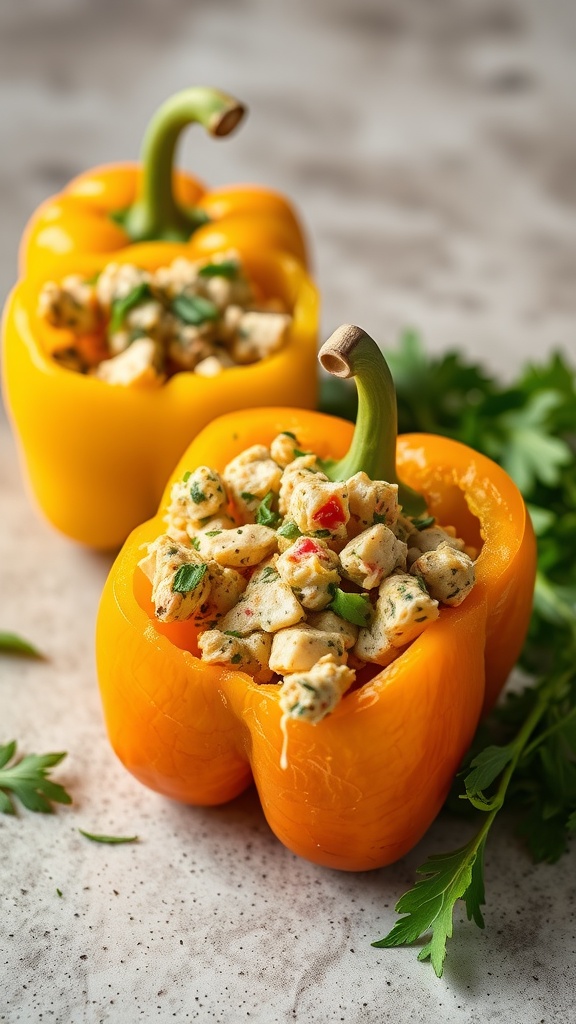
<point x="97" y="456"/>
<point x="363" y="785"/>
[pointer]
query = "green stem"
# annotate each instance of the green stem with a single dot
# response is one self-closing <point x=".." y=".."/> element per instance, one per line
<point x="350" y="352"/>
<point x="156" y="214"/>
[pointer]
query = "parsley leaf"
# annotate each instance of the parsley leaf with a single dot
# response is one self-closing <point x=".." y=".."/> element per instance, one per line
<point x="194" y="309"/>
<point x="11" y="643"/>
<point x="27" y="779"/>
<point x="289" y="530"/>
<point x="121" y="307"/>
<point x="196" y="493"/>
<point x="265" y="514"/>
<point x="354" y="608"/>
<point x="225" y="268"/>
<point x="188" y="577"/>
<point x="111" y="840"/>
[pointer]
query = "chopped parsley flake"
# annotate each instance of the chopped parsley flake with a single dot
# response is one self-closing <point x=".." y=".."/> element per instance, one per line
<point x="194" y="309"/>
<point x="188" y="577"/>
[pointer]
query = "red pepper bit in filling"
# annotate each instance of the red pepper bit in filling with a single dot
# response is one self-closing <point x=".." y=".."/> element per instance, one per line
<point x="304" y="546"/>
<point x="331" y="515"/>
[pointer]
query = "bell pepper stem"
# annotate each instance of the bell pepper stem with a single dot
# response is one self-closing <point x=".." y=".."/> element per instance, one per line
<point x="350" y="352"/>
<point x="156" y="214"/>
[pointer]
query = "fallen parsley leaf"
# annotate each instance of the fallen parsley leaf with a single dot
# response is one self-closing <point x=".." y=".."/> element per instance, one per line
<point x="11" y="643"/>
<point x="26" y="780"/>
<point x="111" y="840"/>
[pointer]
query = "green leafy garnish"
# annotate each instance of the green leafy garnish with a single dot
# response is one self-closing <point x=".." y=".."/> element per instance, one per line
<point x="121" y="307"/>
<point x="26" y="780"/>
<point x="194" y="309"/>
<point x="226" y="268"/>
<point x="354" y="608"/>
<point x="196" y="493"/>
<point x="423" y="522"/>
<point x="524" y="755"/>
<point x="11" y="643"/>
<point x="265" y="514"/>
<point x="188" y="577"/>
<point x="289" y="530"/>
<point x="111" y="840"/>
<point x="187" y="476"/>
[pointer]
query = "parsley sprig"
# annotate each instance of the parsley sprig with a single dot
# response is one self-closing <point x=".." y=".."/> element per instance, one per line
<point x="525" y="754"/>
<point x="26" y="779"/>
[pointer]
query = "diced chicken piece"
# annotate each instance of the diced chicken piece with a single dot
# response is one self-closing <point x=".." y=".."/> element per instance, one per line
<point x="137" y="367"/>
<point x="268" y="603"/>
<point x="226" y="588"/>
<point x="329" y="622"/>
<point x="72" y="304"/>
<point x="179" y="577"/>
<point x="226" y="291"/>
<point x="370" y="502"/>
<point x="180" y="276"/>
<point x="259" y="335"/>
<point x="448" y="574"/>
<point x="239" y="547"/>
<point x="404" y="529"/>
<point x="283" y="448"/>
<point x="299" y="471"/>
<point x="312" y="695"/>
<point x="403" y="610"/>
<point x="298" y="648"/>
<point x="147" y="316"/>
<point x="320" y="507"/>
<point x="212" y="365"/>
<point x="310" y="568"/>
<point x="198" y="496"/>
<point x="371" y="556"/>
<point x="246" y="654"/>
<point x="430" y="538"/>
<point x="250" y="477"/>
<point x="117" y="281"/>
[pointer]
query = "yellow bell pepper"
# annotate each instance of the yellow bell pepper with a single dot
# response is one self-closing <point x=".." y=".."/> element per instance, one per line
<point x="97" y="456"/>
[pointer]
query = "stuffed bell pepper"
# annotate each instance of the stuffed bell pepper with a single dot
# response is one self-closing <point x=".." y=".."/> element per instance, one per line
<point x="146" y="306"/>
<point x="322" y="609"/>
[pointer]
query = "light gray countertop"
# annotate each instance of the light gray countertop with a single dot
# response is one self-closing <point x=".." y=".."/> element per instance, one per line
<point x="431" y="151"/>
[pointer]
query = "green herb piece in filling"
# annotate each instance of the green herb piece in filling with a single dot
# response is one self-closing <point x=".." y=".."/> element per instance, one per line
<point x="423" y="522"/>
<point x="188" y="577"/>
<point x="197" y="494"/>
<point x="194" y="309"/>
<point x="121" y="307"/>
<point x="265" y="514"/>
<point x="354" y="608"/>
<point x="227" y="268"/>
<point x="289" y="530"/>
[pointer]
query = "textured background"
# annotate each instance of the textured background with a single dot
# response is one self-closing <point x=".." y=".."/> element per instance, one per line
<point x="430" y="147"/>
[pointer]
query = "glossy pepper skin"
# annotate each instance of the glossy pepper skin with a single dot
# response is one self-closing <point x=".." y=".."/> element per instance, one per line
<point x="97" y="456"/>
<point x="363" y="785"/>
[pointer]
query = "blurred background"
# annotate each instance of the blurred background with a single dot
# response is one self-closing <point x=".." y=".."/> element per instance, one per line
<point x="429" y="144"/>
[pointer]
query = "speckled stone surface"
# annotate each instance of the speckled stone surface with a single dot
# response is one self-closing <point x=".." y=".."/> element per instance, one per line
<point x="430" y="150"/>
